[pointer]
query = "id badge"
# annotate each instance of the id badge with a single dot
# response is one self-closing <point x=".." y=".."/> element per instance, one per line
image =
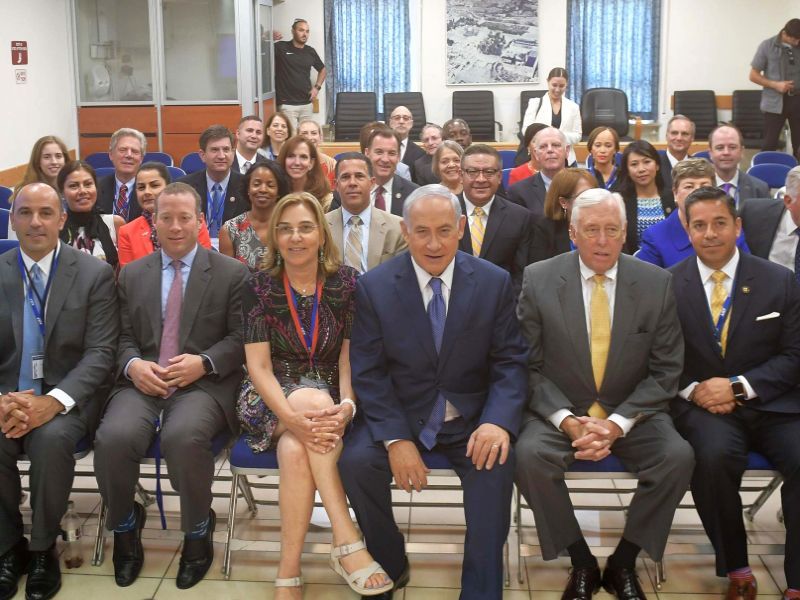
<point x="37" y="366"/>
<point x="313" y="380"/>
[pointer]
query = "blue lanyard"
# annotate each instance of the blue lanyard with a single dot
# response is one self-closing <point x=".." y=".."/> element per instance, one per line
<point x="218" y="211"/>
<point x="38" y="311"/>
<point x="723" y="314"/>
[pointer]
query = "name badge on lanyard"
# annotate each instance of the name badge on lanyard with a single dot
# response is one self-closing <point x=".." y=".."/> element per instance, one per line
<point x="307" y="338"/>
<point x="720" y="324"/>
<point x="37" y="360"/>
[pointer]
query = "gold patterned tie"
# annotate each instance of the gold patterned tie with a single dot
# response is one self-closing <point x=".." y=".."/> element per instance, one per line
<point x="718" y="296"/>
<point x="353" y="248"/>
<point x="600" y="339"/>
<point x="476" y="230"/>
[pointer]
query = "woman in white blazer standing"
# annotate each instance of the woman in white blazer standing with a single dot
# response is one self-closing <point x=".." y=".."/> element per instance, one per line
<point x="556" y="110"/>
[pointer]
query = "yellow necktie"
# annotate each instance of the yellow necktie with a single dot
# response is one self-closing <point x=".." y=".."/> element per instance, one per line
<point x="718" y="296"/>
<point x="600" y="339"/>
<point x="476" y="230"/>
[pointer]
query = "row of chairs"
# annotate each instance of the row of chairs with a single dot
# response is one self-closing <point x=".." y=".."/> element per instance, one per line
<point x="701" y="107"/>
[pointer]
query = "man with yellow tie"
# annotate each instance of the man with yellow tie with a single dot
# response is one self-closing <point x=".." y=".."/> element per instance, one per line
<point x="497" y="229"/>
<point x="606" y="356"/>
<point x="740" y="388"/>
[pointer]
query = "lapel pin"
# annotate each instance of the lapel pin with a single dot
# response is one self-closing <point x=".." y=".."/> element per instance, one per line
<point x="232" y="199"/>
<point x="668" y="210"/>
<point x="745" y="289"/>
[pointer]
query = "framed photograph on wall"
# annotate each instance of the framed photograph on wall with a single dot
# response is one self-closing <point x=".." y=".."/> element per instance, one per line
<point x="492" y="41"/>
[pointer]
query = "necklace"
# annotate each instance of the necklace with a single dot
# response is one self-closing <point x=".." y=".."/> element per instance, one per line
<point x="304" y="289"/>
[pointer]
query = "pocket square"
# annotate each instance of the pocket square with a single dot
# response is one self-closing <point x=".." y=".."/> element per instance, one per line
<point x="772" y="315"/>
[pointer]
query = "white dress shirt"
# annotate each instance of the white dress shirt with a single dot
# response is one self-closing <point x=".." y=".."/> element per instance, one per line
<point x="241" y="160"/>
<point x="387" y="194"/>
<point x="471" y="207"/>
<point x="785" y="243"/>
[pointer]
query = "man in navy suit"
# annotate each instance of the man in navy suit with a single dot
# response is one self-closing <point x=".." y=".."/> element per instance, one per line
<point x="452" y="380"/>
<point x="740" y="387"/>
<point x="116" y="193"/>
<point x="725" y="147"/>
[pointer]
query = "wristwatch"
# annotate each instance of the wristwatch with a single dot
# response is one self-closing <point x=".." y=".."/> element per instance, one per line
<point x="318" y="87"/>
<point x="207" y="366"/>
<point x="739" y="393"/>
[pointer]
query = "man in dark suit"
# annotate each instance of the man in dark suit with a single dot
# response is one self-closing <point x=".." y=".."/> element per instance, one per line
<point x="458" y="131"/>
<point x="58" y="334"/>
<point x="551" y="149"/>
<point x="606" y="355"/>
<point x="249" y="138"/>
<point x="725" y="147"/>
<point x="740" y="388"/>
<point x="422" y="170"/>
<point x="180" y="355"/>
<point x="497" y="230"/>
<point x="771" y="226"/>
<point x="116" y="193"/>
<point x="451" y="380"/>
<point x="680" y="136"/>
<point x="390" y="190"/>
<point x="218" y="184"/>
<point x="402" y="121"/>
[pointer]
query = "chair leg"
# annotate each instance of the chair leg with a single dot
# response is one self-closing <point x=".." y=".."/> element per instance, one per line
<point x="773" y="485"/>
<point x="146" y="497"/>
<point x="661" y="573"/>
<point x="226" y="562"/>
<point x="99" y="540"/>
<point x="244" y="486"/>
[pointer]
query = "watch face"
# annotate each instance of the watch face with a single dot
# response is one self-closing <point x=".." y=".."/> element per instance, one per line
<point x="738" y="389"/>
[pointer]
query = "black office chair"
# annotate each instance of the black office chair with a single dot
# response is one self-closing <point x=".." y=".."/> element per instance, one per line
<point x="747" y="116"/>
<point x="524" y="99"/>
<point x="605" y="107"/>
<point x="477" y="109"/>
<point x="414" y="102"/>
<point x="353" y="110"/>
<point x="701" y="107"/>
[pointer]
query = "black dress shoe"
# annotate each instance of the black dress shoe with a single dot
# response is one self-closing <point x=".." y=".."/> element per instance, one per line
<point x="582" y="584"/>
<point x="623" y="583"/>
<point x="12" y="565"/>
<point x="402" y="581"/>
<point x="196" y="557"/>
<point x="128" y="550"/>
<point x="44" y="575"/>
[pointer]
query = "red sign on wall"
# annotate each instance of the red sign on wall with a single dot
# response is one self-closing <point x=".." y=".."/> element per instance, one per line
<point x="19" y="53"/>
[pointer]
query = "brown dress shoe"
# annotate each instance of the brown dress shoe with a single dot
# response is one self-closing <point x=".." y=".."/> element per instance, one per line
<point x="742" y="590"/>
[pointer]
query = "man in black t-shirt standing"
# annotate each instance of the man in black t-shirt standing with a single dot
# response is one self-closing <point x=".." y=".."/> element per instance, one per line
<point x="293" y="63"/>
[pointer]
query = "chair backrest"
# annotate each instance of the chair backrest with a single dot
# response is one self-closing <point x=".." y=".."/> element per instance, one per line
<point x="352" y="111"/>
<point x="605" y="107"/>
<point x="476" y="107"/>
<point x="5" y="196"/>
<point x="176" y="173"/>
<point x="99" y="159"/>
<point x="414" y="102"/>
<point x="775" y="158"/>
<point x="103" y="171"/>
<point x="773" y="175"/>
<point x="6" y="245"/>
<point x="702" y="154"/>
<point x="508" y="157"/>
<point x="701" y="107"/>
<point x="4" y="215"/>
<point x="524" y="99"/>
<point x="161" y="157"/>
<point x="191" y="163"/>
<point x="506" y="177"/>
<point x="747" y="116"/>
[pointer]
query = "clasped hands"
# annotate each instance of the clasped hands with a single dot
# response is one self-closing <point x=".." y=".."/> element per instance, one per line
<point x="154" y="380"/>
<point x="591" y="437"/>
<point x="22" y="412"/>
<point x="320" y="430"/>
<point x="714" y="395"/>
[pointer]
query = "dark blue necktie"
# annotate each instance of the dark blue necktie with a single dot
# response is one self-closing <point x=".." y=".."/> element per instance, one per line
<point x="437" y="315"/>
<point x="32" y="342"/>
<point x="797" y="256"/>
<point x="216" y="200"/>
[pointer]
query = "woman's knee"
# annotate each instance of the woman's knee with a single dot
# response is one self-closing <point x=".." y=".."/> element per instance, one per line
<point x="292" y="454"/>
<point x="310" y="399"/>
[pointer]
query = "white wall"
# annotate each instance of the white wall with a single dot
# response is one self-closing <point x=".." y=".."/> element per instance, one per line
<point x="46" y="104"/>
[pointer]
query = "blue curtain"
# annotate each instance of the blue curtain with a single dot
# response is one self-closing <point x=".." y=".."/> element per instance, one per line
<point x="367" y="47"/>
<point x="615" y="43"/>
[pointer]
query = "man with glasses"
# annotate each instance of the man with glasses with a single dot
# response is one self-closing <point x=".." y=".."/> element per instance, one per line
<point x="294" y="60"/>
<point x="606" y="357"/>
<point x="776" y="67"/>
<point x="551" y="149"/>
<point x="402" y="121"/>
<point x="497" y="230"/>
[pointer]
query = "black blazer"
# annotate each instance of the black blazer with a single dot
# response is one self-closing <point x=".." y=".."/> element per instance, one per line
<point x="760" y="220"/>
<point x="106" y="187"/>
<point x="237" y="167"/>
<point x="401" y="188"/>
<point x="530" y="193"/>
<point x="234" y="203"/>
<point x="666" y="170"/>
<point x="763" y="336"/>
<point x="507" y="239"/>
<point x="549" y="238"/>
<point x="422" y="171"/>
<point x="413" y="152"/>
<point x="632" y="213"/>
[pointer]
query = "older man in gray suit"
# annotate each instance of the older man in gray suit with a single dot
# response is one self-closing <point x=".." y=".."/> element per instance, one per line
<point x="58" y="334"/>
<point x="180" y="356"/>
<point x="365" y="235"/>
<point x="606" y="355"/>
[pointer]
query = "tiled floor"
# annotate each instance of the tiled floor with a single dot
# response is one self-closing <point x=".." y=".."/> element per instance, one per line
<point x="433" y="576"/>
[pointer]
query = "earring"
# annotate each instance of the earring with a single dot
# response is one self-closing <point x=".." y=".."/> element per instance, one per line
<point x="321" y="256"/>
<point x="564" y="211"/>
<point x="278" y="259"/>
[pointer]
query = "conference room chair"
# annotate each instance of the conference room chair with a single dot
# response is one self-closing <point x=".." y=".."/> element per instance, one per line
<point x="161" y="157"/>
<point x="176" y="173"/>
<point x="414" y="102"/>
<point x="775" y="158"/>
<point x="476" y="107"/>
<point x="352" y="110"/>
<point x="605" y="107"/>
<point x="524" y="99"/>
<point x="747" y="116"/>
<point x="99" y="159"/>
<point x="773" y="174"/>
<point x="5" y="196"/>
<point x="6" y="245"/>
<point x="701" y="107"/>
<point x="4" y="216"/>
<point x="192" y="162"/>
<point x="103" y="171"/>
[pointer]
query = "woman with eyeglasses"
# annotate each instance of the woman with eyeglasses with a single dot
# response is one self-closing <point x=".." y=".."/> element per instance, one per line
<point x="298" y="399"/>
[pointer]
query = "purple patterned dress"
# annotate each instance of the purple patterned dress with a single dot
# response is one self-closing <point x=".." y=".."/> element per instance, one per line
<point x="267" y="319"/>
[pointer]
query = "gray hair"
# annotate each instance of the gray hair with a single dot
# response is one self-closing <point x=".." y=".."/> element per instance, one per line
<point x="436" y="190"/>
<point x="127" y="132"/>
<point x="551" y="130"/>
<point x="793" y="183"/>
<point x="430" y="126"/>
<point x="596" y="197"/>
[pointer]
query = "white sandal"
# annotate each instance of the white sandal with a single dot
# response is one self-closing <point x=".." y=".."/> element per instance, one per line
<point x="357" y="579"/>
<point x="289" y="582"/>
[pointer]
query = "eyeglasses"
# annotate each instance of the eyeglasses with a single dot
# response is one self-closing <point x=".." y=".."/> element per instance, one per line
<point x="474" y="173"/>
<point x="610" y="232"/>
<point x="401" y="118"/>
<point x="288" y="230"/>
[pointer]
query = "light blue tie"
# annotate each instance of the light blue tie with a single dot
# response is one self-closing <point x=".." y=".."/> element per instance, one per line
<point x="437" y="315"/>
<point x="32" y="341"/>
<point x="216" y="200"/>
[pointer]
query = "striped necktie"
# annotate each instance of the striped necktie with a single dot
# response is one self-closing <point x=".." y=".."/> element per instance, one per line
<point x="122" y="208"/>
<point x="353" y="248"/>
<point x="32" y="341"/>
<point x="600" y="323"/>
<point x="477" y="230"/>
<point x="718" y="296"/>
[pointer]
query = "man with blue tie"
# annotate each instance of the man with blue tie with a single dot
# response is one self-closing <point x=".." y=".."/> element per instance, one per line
<point x="725" y="148"/>
<point x="58" y="333"/>
<point x="218" y="184"/>
<point x="438" y="363"/>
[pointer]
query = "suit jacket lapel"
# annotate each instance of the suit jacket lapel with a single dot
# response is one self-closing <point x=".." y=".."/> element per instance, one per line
<point x="408" y="292"/>
<point x="695" y="298"/>
<point x="199" y="276"/>
<point x="377" y="234"/>
<point x="465" y="243"/>
<point x="12" y="283"/>
<point x="493" y="224"/>
<point x="741" y="299"/>
<point x="458" y="307"/>
<point x="63" y="279"/>
<point x="337" y="227"/>
<point x="570" y="295"/>
<point x="152" y="293"/>
<point x="626" y="300"/>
